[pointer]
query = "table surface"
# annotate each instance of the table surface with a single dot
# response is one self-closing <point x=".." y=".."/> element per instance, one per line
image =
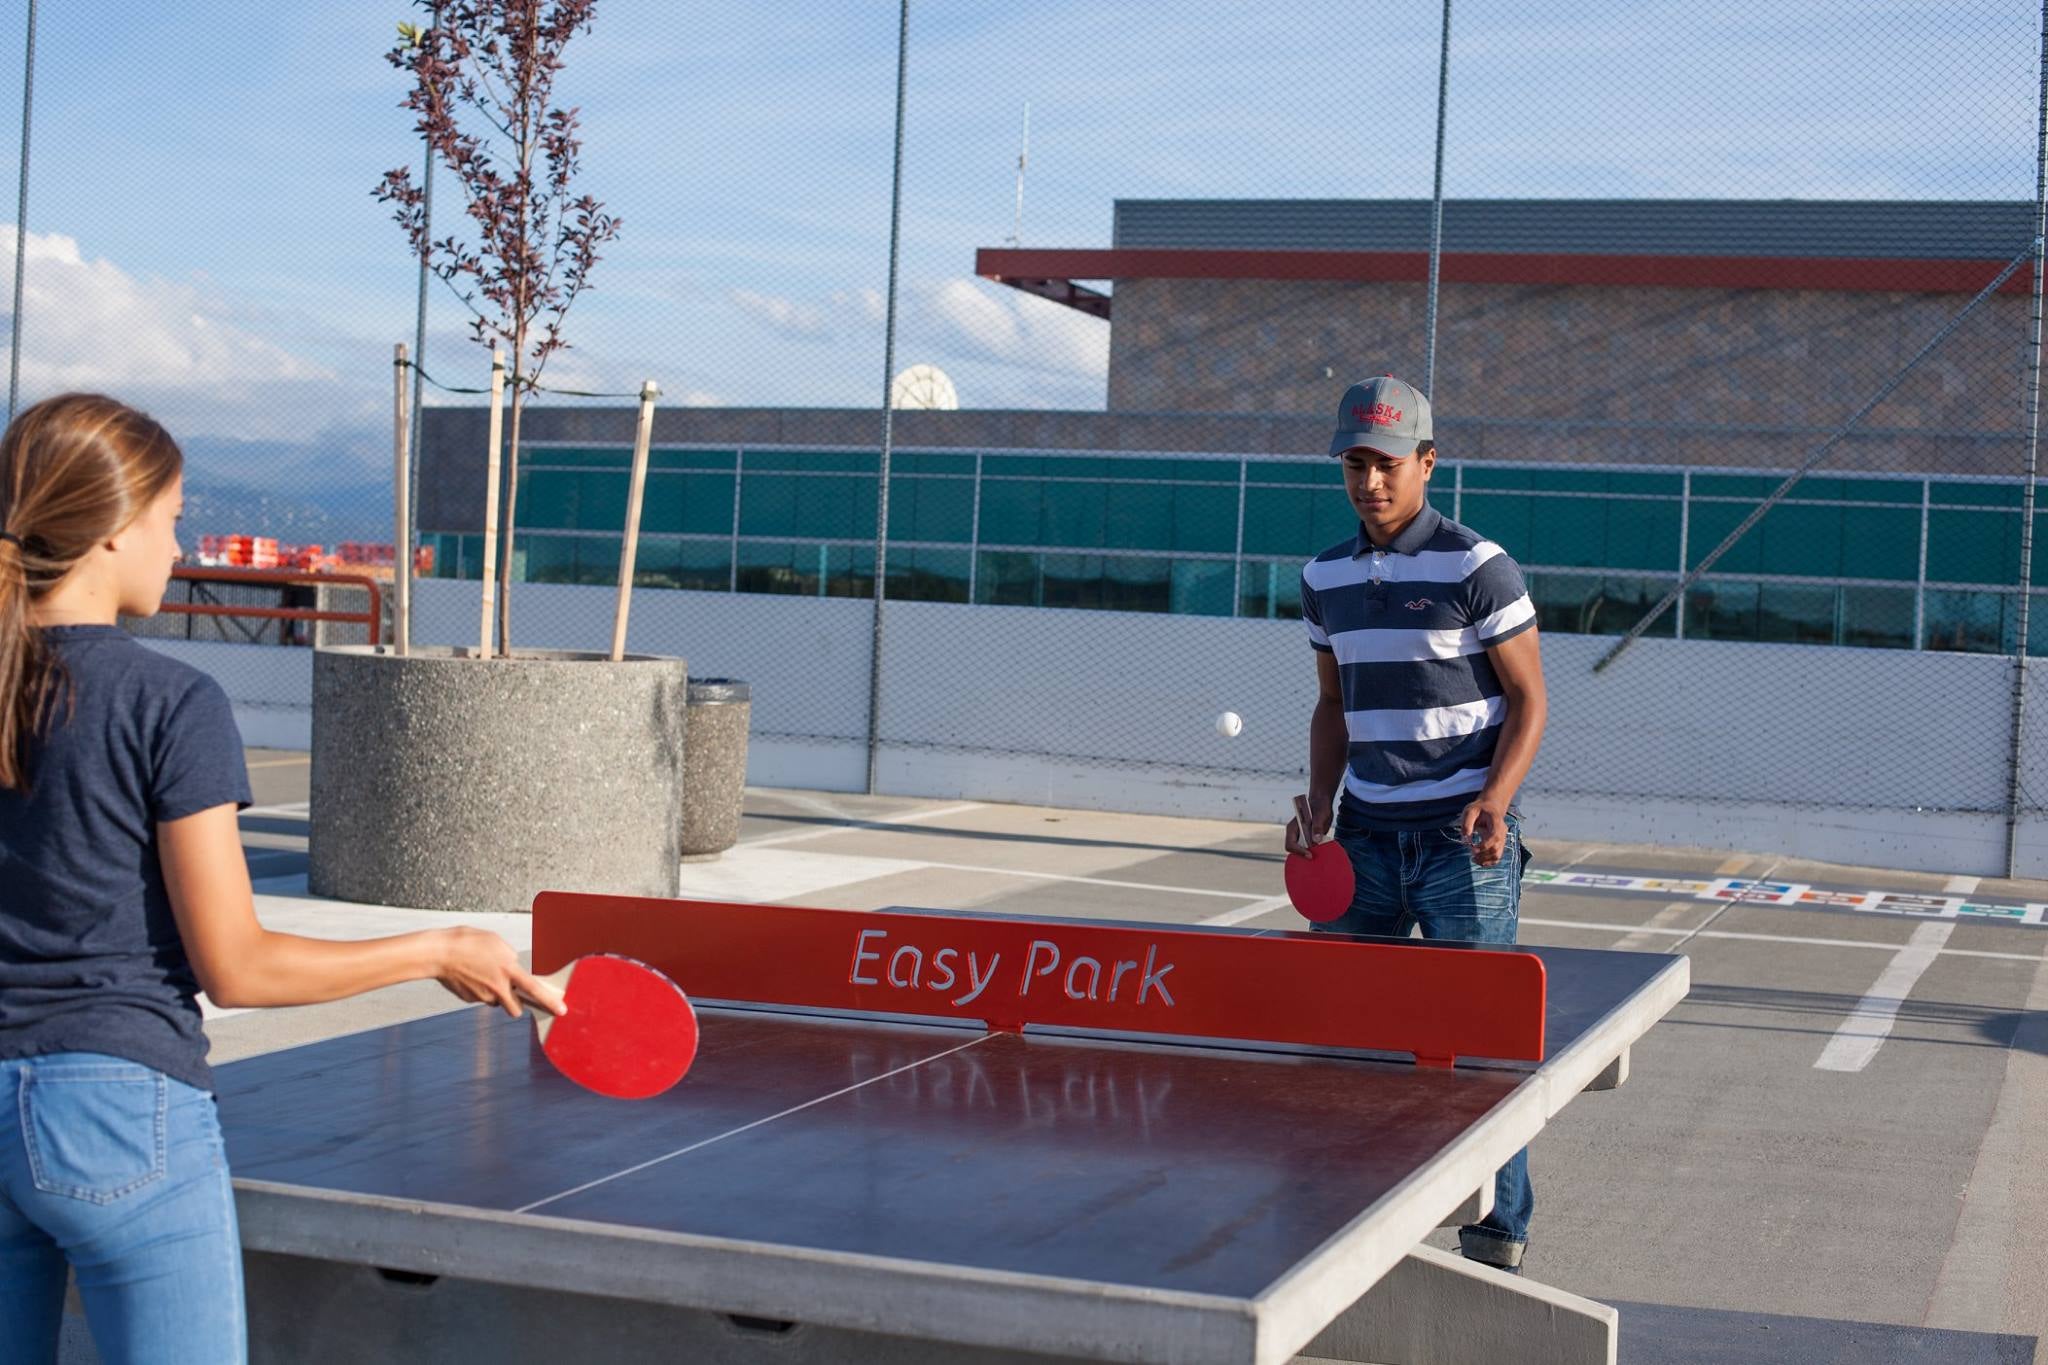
<point x="1200" y="1169"/>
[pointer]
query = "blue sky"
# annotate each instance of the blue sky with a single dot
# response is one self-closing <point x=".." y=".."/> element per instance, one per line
<point x="202" y="236"/>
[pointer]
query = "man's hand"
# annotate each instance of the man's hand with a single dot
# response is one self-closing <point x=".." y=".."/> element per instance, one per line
<point x="1310" y="825"/>
<point x="1485" y="827"/>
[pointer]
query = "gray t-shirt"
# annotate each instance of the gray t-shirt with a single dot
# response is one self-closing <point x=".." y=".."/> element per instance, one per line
<point x="90" y="957"/>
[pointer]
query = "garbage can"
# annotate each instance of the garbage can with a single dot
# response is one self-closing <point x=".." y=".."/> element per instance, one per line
<point x="715" y="769"/>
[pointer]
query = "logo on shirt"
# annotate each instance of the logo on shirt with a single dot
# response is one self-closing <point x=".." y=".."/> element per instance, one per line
<point x="1379" y="414"/>
<point x="1419" y="604"/>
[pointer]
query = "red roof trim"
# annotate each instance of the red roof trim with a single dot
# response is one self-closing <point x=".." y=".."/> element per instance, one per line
<point x="1037" y="269"/>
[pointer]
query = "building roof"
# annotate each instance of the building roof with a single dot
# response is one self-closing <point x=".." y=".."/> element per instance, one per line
<point x="1884" y="246"/>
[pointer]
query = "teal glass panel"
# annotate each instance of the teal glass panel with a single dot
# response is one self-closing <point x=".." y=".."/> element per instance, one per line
<point x="1074" y="514"/>
<point x="688" y="504"/>
<point x="658" y="458"/>
<point x="1506" y="518"/>
<point x="597" y="559"/>
<point x="697" y="565"/>
<point x="601" y="500"/>
<point x="1137" y="516"/>
<point x="1598" y="604"/>
<point x="1904" y="492"/>
<point x="1973" y="547"/>
<point x="929" y="462"/>
<point x="1007" y="578"/>
<point x="2004" y="494"/>
<point x="1495" y="477"/>
<point x="1877" y="618"/>
<point x="1798" y="613"/>
<point x="1010" y="511"/>
<point x="768" y="505"/>
<point x="1600" y="481"/>
<point x="548" y="499"/>
<point x="1567" y="531"/>
<point x="1323" y="473"/>
<point x="1270" y="588"/>
<point x="546" y="559"/>
<point x="927" y="575"/>
<point x="1015" y="466"/>
<point x="1970" y="622"/>
<point x="1280" y="521"/>
<point x="836" y="507"/>
<point x="1201" y="587"/>
<point x="577" y="457"/>
<point x="1205" y="518"/>
<point x="1880" y="542"/>
<point x="813" y="461"/>
<point x="931" y="509"/>
<point x="1711" y="522"/>
<point x="1641" y="535"/>
<point x="805" y="568"/>
<point x="1803" y="540"/>
<point x="1063" y="466"/>
<point x="1750" y="488"/>
<point x="1721" y="610"/>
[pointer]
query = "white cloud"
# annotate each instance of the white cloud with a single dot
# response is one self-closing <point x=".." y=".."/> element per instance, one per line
<point x="805" y="322"/>
<point x="994" y="322"/>
<point x="175" y="348"/>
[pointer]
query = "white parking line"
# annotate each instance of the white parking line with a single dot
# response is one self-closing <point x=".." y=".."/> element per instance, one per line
<point x="1246" y="912"/>
<point x="1659" y="924"/>
<point x="1856" y="1042"/>
<point x="909" y="818"/>
<point x="1962" y="884"/>
<point x="1740" y="936"/>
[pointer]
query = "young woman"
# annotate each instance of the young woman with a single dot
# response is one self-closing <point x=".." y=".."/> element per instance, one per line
<point x="123" y="894"/>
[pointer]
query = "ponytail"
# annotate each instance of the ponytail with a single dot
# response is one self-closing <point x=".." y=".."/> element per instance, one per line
<point x="74" y="471"/>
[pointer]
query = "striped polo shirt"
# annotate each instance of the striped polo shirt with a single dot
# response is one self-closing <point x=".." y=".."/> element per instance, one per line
<point x="1410" y="625"/>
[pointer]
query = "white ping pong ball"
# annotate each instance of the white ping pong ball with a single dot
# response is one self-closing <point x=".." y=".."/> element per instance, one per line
<point x="1228" y="724"/>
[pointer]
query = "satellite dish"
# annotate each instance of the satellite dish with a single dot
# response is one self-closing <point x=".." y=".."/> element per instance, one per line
<point x="923" y="386"/>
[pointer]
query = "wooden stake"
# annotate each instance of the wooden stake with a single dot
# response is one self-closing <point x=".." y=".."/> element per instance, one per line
<point x="649" y="391"/>
<point x="493" y="475"/>
<point x="401" y="558"/>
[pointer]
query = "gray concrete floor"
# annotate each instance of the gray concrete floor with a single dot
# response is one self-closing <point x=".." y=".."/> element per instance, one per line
<point x="1741" y="1203"/>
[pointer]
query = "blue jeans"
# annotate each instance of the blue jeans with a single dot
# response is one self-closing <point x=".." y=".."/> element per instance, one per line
<point x="117" y="1171"/>
<point x="1427" y="877"/>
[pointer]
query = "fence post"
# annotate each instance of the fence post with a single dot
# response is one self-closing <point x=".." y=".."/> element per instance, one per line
<point x="2016" y="755"/>
<point x="888" y="409"/>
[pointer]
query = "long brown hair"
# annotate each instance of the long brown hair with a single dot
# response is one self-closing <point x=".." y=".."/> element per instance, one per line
<point x="75" y="470"/>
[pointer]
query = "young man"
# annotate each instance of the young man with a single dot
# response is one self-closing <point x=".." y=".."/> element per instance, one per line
<point x="1430" y="711"/>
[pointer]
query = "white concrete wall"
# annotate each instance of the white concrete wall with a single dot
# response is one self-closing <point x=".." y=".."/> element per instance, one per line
<point x="1875" y="756"/>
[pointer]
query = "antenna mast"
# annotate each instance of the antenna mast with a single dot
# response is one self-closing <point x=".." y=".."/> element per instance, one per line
<point x="1023" y="157"/>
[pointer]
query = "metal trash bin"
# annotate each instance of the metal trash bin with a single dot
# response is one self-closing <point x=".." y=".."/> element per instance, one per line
<point x="715" y="765"/>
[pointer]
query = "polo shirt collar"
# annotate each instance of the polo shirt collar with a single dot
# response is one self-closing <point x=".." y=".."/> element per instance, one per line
<point x="1409" y="541"/>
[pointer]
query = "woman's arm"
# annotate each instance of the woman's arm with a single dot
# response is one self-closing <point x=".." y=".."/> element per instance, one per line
<point x="242" y="964"/>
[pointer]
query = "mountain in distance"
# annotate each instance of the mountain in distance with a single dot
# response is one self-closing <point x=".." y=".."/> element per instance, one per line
<point x="319" y="492"/>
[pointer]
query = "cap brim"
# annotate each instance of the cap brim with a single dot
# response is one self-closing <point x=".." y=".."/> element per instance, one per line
<point x="1373" y="441"/>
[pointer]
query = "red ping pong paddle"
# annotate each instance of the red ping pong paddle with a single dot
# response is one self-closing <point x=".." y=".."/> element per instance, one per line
<point x="629" y="1031"/>
<point x="1321" y="884"/>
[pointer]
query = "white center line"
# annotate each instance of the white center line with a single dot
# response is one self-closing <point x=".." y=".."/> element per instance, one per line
<point x="745" y="1127"/>
<point x="1962" y="884"/>
<point x="1856" y="1042"/>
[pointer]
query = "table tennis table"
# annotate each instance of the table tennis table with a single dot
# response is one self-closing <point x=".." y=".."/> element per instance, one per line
<point x="831" y="1184"/>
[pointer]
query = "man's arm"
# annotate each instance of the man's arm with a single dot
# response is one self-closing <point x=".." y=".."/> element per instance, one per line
<point x="1519" y="664"/>
<point x="1329" y="743"/>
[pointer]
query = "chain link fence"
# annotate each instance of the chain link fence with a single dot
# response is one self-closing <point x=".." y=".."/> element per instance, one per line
<point x="1113" y="271"/>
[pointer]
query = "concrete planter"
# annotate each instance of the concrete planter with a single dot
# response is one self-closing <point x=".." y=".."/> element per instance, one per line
<point x="446" y="782"/>
<point x="721" y="710"/>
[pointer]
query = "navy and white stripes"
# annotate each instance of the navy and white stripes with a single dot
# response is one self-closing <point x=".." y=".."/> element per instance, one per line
<point x="1409" y="626"/>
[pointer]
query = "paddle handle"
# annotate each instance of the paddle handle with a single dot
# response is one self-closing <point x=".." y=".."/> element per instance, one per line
<point x="542" y="1016"/>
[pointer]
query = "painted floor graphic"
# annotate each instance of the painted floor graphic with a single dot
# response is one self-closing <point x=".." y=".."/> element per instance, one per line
<point x="1799" y="895"/>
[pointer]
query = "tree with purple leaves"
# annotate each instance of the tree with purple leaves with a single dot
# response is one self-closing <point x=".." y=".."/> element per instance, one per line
<point x="483" y="78"/>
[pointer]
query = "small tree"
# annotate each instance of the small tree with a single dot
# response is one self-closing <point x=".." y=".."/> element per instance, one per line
<point x="483" y="75"/>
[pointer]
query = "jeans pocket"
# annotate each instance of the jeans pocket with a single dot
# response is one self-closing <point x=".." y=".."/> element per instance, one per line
<point x="95" y="1131"/>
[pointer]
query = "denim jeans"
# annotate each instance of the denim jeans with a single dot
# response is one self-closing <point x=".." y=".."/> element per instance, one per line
<point x="1426" y="877"/>
<point x="117" y="1171"/>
